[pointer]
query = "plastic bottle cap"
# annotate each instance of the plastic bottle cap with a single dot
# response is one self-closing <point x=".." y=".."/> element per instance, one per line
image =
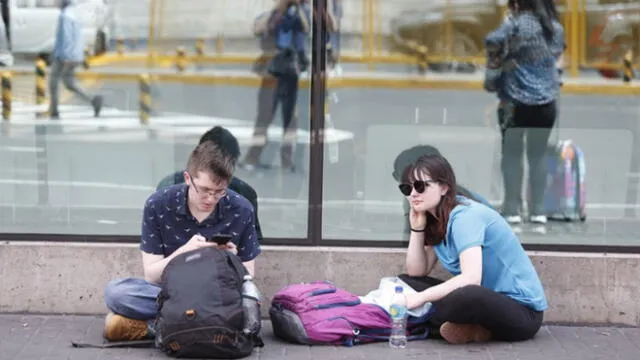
<point x="399" y="289"/>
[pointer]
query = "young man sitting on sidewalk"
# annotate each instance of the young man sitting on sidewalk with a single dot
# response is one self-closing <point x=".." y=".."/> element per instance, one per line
<point x="229" y="146"/>
<point x="178" y="219"/>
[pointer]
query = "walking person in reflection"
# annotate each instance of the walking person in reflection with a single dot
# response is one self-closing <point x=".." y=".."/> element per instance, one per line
<point x="521" y="69"/>
<point x="68" y="54"/>
<point x="266" y="91"/>
<point x="6" y="55"/>
<point x="332" y="19"/>
<point x="289" y="24"/>
<point x="495" y="292"/>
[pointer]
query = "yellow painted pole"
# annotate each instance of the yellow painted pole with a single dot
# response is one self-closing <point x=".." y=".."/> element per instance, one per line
<point x="161" y="11"/>
<point x="365" y="27"/>
<point x="448" y="30"/>
<point x="504" y="10"/>
<point x="575" y="37"/>
<point x="220" y="34"/>
<point x="152" y="33"/>
<point x="369" y="37"/>
<point x="372" y="37"/>
<point x="379" y="39"/>
<point x="582" y="46"/>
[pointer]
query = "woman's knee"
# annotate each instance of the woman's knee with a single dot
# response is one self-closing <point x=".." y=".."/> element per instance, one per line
<point x="465" y="297"/>
<point x="468" y="291"/>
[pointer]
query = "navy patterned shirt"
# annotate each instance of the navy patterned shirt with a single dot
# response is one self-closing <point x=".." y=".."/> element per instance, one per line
<point x="167" y="223"/>
<point x="529" y="74"/>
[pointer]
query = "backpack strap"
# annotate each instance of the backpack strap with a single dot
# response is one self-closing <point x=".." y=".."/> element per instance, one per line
<point x="115" y="344"/>
<point x="235" y="262"/>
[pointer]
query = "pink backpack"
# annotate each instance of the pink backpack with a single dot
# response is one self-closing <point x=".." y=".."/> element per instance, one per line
<point x="319" y="313"/>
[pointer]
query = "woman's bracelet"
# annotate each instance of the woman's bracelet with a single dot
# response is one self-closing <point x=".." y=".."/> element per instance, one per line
<point x="418" y="231"/>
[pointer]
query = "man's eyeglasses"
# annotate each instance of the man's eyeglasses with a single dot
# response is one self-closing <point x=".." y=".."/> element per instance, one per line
<point x="206" y="192"/>
<point x="419" y="185"/>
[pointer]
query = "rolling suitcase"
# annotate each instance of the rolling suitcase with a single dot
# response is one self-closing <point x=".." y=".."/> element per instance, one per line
<point x="565" y="197"/>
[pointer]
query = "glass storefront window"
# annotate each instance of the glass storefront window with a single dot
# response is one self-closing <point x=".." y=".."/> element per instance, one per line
<point x="403" y="78"/>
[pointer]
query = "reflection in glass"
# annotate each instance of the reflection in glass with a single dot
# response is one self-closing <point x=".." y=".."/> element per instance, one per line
<point x="391" y="127"/>
<point x="91" y="176"/>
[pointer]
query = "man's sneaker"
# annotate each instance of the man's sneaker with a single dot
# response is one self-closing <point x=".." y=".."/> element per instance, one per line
<point x="538" y="219"/>
<point x="464" y="333"/>
<point x="513" y="219"/>
<point x="120" y="328"/>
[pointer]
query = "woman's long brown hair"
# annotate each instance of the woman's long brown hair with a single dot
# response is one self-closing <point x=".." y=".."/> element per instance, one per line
<point x="439" y="170"/>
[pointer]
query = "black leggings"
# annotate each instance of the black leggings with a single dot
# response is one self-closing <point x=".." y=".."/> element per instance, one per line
<point x="533" y="122"/>
<point x="507" y="319"/>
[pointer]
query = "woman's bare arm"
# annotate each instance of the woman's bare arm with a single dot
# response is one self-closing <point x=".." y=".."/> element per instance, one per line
<point x="420" y="259"/>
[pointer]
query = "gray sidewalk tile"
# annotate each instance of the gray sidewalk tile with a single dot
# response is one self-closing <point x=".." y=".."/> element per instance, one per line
<point x="44" y="337"/>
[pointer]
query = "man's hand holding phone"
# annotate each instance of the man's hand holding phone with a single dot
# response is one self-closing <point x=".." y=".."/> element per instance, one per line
<point x="223" y="242"/>
<point x="196" y="242"/>
<point x="230" y="247"/>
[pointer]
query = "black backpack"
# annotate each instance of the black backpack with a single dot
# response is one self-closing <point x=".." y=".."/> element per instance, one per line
<point x="200" y="310"/>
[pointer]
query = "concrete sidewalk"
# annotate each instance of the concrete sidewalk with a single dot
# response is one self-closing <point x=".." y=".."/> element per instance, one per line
<point x="26" y="337"/>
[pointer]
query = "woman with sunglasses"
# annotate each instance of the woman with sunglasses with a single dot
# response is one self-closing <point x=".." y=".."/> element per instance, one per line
<point x="495" y="292"/>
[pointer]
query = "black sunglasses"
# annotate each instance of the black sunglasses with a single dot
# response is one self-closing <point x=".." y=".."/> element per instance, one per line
<point x="419" y="185"/>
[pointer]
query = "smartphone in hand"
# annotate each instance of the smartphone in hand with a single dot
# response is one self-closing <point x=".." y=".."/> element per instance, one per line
<point x="220" y="239"/>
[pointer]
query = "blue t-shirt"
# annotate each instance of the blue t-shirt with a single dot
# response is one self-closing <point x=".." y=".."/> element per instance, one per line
<point x="167" y="223"/>
<point x="506" y="267"/>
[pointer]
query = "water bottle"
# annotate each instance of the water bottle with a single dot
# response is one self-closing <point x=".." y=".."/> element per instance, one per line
<point x="398" y="338"/>
<point x="251" y="306"/>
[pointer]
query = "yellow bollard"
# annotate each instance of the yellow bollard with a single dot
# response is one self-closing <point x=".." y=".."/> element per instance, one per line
<point x="181" y="59"/>
<point x="219" y="44"/>
<point x="120" y="46"/>
<point x="6" y="96"/>
<point x="628" y="67"/>
<point x="200" y="47"/>
<point x="87" y="55"/>
<point x="145" y="99"/>
<point x="41" y="82"/>
<point x="423" y="62"/>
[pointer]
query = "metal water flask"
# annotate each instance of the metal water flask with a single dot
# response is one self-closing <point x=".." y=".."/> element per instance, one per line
<point x="251" y="299"/>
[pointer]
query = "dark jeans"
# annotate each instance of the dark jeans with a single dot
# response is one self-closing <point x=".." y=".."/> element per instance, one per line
<point x="535" y="123"/>
<point x="286" y="93"/>
<point x="507" y="319"/>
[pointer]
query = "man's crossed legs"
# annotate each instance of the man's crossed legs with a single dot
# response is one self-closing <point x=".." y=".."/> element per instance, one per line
<point x="132" y="309"/>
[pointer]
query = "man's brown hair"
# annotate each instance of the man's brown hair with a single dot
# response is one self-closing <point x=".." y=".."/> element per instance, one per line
<point x="210" y="158"/>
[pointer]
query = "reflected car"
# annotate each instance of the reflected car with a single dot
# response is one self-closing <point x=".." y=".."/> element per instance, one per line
<point x="612" y="28"/>
<point x="33" y="24"/>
